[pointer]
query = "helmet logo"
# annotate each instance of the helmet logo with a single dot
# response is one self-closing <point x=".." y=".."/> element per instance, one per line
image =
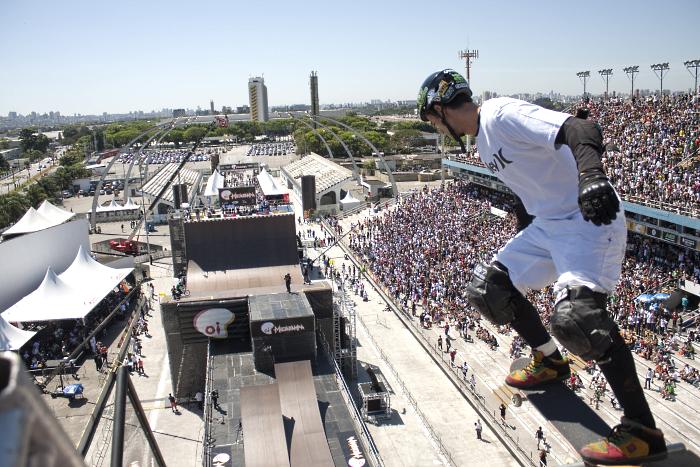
<point x="442" y="87"/>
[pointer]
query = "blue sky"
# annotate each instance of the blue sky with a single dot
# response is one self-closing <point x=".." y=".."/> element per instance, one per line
<point x="117" y="56"/>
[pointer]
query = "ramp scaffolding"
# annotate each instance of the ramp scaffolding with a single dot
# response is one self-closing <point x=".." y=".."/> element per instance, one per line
<point x="344" y="332"/>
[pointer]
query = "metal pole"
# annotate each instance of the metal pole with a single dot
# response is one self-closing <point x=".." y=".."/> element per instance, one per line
<point x="119" y="417"/>
<point x="143" y="421"/>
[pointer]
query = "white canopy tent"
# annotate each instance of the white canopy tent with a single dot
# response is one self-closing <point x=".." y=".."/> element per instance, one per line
<point x="268" y="185"/>
<point x="70" y="295"/>
<point x="12" y="338"/>
<point x="215" y="181"/>
<point x="32" y="221"/>
<point x="349" y="201"/>
<point x="53" y="213"/>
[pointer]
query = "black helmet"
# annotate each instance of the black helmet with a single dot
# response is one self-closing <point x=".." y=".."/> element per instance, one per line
<point x="441" y="88"/>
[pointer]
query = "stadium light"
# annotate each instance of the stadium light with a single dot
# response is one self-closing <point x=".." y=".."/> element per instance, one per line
<point x="659" y="69"/>
<point x="631" y="71"/>
<point x="606" y="74"/>
<point x="693" y="64"/>
<point x="583" y="76"/>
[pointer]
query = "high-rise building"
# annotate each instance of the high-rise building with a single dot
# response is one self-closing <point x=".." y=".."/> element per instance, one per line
<point x="257" y="92"/>
<point x="211" y="107"/>
<point x="313" y="83"/>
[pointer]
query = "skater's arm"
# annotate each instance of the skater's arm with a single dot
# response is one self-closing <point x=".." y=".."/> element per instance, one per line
<point x="585" y="140"/>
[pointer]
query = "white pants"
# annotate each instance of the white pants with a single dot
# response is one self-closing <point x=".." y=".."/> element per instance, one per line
<point x="571" y="252"/>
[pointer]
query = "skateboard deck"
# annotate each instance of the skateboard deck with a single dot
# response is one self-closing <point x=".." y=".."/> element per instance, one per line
<point x="579" y="424"/>
<point x="572" y="417"/>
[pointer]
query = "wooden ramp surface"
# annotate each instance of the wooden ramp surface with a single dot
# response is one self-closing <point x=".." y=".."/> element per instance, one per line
<point x="309" y="446"/>
<point x="264" y="443"/>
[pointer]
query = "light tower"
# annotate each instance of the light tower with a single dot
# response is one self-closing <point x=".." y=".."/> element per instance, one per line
<point x="583" y="76"/>
<point x="693" y="64"/>
<point x="631" y="71"/>
<point x="659" y="69"/>
<point x="606" y="74"/>
<point x="467" y="56"/>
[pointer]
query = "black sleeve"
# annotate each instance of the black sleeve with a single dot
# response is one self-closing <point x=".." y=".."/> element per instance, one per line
<point x="523" y="217"/>
<point x="585" y="140"/>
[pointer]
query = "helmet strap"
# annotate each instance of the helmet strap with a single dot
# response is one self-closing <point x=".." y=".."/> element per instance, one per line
<point x="453" y="133"/>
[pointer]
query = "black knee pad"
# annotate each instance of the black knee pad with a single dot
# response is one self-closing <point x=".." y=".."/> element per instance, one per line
<point x="493" y="294"/>
<point x="581" y="323"/>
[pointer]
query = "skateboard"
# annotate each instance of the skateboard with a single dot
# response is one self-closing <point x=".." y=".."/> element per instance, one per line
<point x="579" y="424"/>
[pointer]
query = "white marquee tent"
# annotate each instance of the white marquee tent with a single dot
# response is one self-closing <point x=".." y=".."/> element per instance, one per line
<point x="215" y="181"/>
<point x="34" y="220"/>
<point x="70" y="295"/>
<point x="12" y="338"/>
<point x="268" y="185"/>
<point x="349" y="201"/>
<point x="53" y="213"/>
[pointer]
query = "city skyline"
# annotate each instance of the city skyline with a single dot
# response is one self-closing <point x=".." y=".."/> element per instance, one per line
<point x="90" y="59"/>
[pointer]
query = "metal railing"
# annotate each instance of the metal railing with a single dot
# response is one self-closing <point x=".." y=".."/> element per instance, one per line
<point x="409" y="397"/>
<point x="360" y="425"/>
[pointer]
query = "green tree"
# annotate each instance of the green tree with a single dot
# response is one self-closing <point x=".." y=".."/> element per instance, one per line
<point x="29" y="140"/>
<point x="194" y="132"/>
<point x="12" y="207"/>
<point x="4" y="165"/>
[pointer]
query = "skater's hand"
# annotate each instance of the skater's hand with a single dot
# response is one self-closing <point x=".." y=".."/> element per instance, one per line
<point x="597" y="198"/>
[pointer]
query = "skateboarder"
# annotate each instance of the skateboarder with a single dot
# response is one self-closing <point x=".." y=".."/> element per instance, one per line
<point x="571" y="232"/>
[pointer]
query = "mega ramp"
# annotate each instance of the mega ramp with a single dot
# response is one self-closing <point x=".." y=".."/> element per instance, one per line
<point x="309" y="447"/>
<point x="242" y="242"/>
<point x="263" y="428"/>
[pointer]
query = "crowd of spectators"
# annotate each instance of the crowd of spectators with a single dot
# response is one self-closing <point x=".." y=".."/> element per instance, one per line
<point x="425" y="248"/>
<point x="654" y="157"/>
<point x="271" y="149"/>
<point x="55" y="340"/>
<point x="656" y="140"/>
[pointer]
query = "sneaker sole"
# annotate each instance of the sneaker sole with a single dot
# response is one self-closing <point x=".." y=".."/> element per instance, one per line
<point x="540" y="384"/>
<point x="590" y="462"/>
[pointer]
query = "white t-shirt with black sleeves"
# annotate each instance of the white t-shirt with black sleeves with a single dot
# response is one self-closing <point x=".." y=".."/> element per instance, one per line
<point x="516" y="142"/>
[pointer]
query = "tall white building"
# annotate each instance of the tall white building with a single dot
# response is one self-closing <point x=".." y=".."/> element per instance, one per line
<point x="257" y="92"/>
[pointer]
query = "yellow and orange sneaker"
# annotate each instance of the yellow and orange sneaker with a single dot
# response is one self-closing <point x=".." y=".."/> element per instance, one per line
<point x="629" y="442"/>
<point x="541" y="370"/>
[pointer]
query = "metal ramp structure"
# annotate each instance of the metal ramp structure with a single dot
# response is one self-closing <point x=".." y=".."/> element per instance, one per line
<point x="261" y="414"/>
<point x="309" y="446"/>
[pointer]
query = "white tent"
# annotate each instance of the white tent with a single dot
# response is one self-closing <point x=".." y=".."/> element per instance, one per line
<point x="349" y="201"/>
<point x="53" y="213"/>
<point x="32" y="221"/>
<point x="215" y="181"/>
<point x="268" y="185"/>
<point x="131" y="205"/>
<point x="85" y="271"/>
<point x="54" y="299"/>
<point x="70" y="295"/>
<point x="12" y="338"/>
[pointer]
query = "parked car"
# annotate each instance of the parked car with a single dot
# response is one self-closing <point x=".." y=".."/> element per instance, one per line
<point x="67" y="193"/>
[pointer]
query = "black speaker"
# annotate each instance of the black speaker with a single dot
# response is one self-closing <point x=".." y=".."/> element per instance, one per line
<point x="308" y="192"/>
<point x="179" y="194"/>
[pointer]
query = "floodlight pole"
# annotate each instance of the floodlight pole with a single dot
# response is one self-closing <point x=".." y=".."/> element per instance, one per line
<point x="583" y="76"/>
<point x="659" y="69"/>
<point x="693" y="64"/>
<point x="631" y="71"/>
<point x="605" y="74"/>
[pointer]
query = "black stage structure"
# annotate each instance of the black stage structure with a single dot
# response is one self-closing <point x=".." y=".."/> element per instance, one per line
<point x="239" y="323"/>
